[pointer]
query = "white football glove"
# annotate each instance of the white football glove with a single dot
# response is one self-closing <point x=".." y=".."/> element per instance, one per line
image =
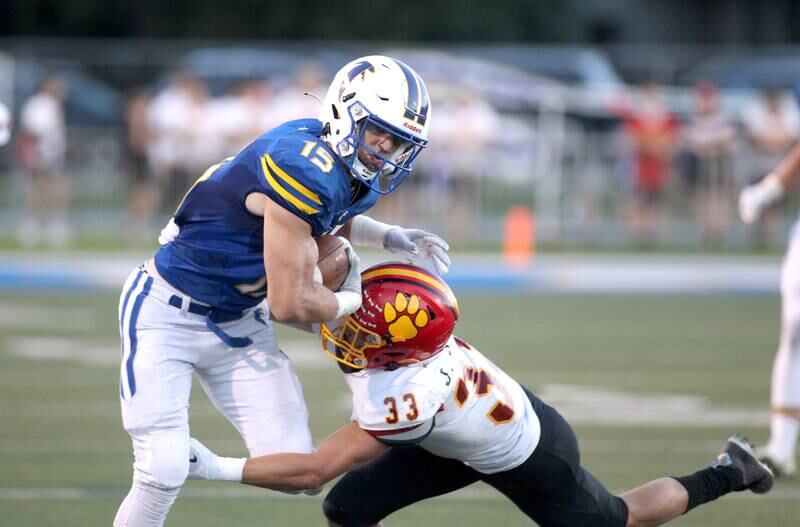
<point x="349" y="295"/>
<point x="203" y="463"/>
<point x="754" y="199"/>
<point x="169" y="232"/>
<point x="420" y="247"/>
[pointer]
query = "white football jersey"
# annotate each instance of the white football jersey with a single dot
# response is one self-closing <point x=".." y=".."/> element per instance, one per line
<point x="457" y="405"/>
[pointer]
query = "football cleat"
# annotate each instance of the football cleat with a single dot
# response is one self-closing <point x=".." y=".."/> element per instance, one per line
<point x="780" y="466"/>
<point x="738" y="455"/>
<point x="202" y="461"/>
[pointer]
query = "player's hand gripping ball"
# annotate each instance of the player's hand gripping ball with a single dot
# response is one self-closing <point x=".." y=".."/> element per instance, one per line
<point x="333" y="262"/>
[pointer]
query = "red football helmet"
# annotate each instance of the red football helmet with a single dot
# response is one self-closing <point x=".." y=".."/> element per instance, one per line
<point x="407" y="315"/>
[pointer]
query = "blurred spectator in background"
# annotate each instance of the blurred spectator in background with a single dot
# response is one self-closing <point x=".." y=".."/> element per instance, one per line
<point x="772" y="126"/>
<point x="144" y="195"/>
<point x="706" y="164"/>
<point x="177" y="125"/>
<point x="41" y="151"/>
<point x="291" y="103"/>
<point x="5" y="125"/>
<point x="467" y="127"/>
<point x="652" y="131"/>
<point x="235" y="117"/>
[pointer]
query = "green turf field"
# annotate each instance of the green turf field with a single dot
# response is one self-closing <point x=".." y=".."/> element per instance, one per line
<point x="653" y="386"/>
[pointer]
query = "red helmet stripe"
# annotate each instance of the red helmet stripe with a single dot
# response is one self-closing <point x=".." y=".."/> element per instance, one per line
<point x="394" y="272"/>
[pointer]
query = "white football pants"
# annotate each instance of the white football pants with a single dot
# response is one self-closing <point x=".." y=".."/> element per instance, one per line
<point x="785" y="391"/>
<point x="254" y="387"/>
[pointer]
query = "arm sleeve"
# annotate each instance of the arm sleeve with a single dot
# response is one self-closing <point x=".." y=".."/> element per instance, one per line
<point x="296" y="184"/>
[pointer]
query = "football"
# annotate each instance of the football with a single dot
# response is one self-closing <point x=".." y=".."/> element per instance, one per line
<point x="332" y="262"/>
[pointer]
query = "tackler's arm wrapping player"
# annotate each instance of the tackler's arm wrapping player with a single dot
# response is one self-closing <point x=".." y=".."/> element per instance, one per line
<point x="239" y="251"/>
<point x="460" y="419"/>
<point x="780" y="451"/>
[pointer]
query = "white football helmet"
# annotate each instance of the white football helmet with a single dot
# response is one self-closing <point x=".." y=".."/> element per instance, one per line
<point x="384" y="95"/>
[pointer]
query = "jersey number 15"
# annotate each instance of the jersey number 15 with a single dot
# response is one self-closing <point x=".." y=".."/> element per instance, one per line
<point x="321" y="158"/>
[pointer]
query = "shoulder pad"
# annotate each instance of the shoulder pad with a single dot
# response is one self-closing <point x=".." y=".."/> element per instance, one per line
<point x="300" y="172"/>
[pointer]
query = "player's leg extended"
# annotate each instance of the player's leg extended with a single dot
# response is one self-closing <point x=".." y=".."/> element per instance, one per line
<point x="402" y="476"/>
<point x="551" y="487"/>
<point x="154" y="390"/>
<point x="257" y="390"/>
<point x="785" y="388"/>
<point x="735" y="469"/>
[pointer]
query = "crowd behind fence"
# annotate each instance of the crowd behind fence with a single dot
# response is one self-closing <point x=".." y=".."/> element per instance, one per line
<point x="623" y="167"/>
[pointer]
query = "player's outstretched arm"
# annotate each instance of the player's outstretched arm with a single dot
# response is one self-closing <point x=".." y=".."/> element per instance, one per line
<point x="417" y="246"/>
<point x="345" y="449"/>
<point x="755" y="199"/>
<point x="290" y="256"/>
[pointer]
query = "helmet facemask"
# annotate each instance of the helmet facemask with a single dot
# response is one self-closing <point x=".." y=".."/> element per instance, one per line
<point x="370" y="97"/>
<point x="351" y="344"/>
<point x="348" y="342"/>
<point x="389" y="169"/>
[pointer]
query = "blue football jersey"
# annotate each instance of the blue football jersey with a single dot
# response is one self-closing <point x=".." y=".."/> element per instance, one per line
<point x="217" y="257"/>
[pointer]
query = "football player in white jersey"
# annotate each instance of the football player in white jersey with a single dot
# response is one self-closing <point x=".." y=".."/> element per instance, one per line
<point x="431" y="414"/>
<point x="779" y="453"/>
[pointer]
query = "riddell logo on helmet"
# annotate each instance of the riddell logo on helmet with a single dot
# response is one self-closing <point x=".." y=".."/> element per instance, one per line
<point x="412" y="127"/>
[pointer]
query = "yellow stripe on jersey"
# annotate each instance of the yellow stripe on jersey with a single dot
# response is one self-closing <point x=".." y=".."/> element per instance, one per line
<point x="292" y="182"/>
<point x="285" y="194"/>
<point x="399" y="271"/>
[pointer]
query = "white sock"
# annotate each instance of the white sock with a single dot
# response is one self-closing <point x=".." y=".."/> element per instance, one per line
<point x="783" y="435"/>
<point x="145" y="506"/>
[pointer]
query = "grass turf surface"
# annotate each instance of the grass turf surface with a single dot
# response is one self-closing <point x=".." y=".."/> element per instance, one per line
<point x="66" y="460"/>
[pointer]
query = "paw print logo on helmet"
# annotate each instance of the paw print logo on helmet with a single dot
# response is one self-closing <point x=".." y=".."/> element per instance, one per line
<point x="404" y="316"/>
<point x="407" y="316"/>
<point x="377" y="112"/>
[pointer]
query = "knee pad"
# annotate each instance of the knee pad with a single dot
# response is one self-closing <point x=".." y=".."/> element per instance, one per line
<point x="162" y="458"/>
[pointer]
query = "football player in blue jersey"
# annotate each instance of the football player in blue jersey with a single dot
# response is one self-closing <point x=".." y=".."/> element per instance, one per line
<point x="239" y="251"/>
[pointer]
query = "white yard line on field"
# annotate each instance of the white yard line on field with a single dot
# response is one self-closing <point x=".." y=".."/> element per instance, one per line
<point x="605" y="406"/>
<point x="304" y="354"/>
<point x="20" y="317"/>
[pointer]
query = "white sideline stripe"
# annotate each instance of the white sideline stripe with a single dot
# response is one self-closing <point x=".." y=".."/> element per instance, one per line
<point x="573" y="272"/>
<point x="242" y="492"/>
<point x="20" y="317"/>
